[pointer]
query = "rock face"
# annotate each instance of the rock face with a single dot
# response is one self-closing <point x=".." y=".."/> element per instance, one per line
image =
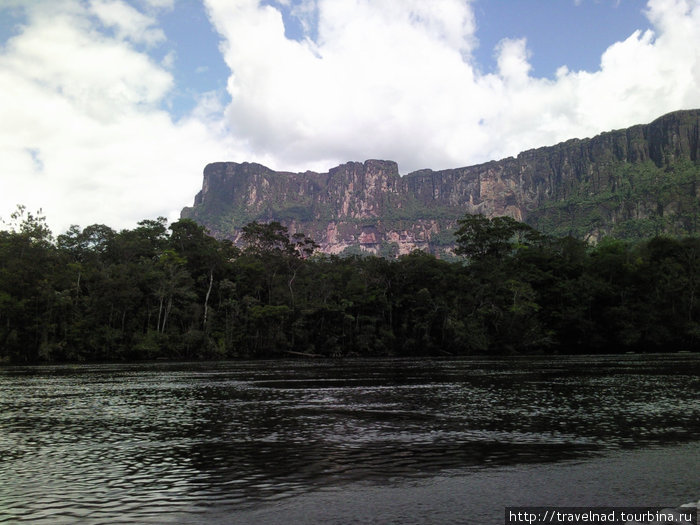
<point x="370" y="207"/>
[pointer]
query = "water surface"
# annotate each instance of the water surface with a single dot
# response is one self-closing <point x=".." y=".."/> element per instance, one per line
<point x="248" y="441"/>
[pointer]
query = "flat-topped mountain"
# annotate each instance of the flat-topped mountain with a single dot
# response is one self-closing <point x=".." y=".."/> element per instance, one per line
<point x="628" y="183"/>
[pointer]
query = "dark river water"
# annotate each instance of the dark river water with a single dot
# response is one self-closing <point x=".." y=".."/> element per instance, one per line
<point x="356" y="441"/>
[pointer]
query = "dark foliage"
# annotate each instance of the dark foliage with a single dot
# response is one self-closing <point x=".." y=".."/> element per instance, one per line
<point x="155" y="292"/>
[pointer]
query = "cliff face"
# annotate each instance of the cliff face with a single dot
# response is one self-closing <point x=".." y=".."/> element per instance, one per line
<point x="586" y="187"/>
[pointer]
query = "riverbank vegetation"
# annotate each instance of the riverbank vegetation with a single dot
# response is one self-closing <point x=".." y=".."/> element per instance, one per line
<point x="174" y="292"/>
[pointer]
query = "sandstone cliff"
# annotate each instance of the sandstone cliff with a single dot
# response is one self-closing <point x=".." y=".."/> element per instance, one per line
<point x="631" y="182"/>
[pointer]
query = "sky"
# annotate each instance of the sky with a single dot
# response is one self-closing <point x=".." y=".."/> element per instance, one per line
<point x="110" y="109"/>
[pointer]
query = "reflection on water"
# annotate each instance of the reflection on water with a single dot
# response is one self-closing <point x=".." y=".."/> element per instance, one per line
<point x="137" y="443"/>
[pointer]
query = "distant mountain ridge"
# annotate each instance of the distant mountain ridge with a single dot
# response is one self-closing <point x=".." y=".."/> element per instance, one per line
<point x="629" y="183"/>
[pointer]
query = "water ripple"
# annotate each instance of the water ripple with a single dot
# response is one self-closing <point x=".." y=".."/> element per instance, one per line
<point x="102" y="443"/>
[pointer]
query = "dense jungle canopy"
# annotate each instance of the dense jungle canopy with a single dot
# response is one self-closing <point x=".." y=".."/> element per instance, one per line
<point x="174" y="292"/>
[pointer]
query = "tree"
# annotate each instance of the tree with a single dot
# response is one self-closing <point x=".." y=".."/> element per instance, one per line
<point x="206" y="257"/>
<point x="147" y="241"/>
<point x="272" y="243"/>
<point x="273" y="238"/>
<point x="266" y="238"/>
<point x="28" y="260"/>
<point x="174" y="282"/>
<point x="479" y="237"/>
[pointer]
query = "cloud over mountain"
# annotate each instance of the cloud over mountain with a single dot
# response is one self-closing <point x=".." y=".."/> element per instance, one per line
<point x="397" y="80"/>
<point x="88" y="133"/>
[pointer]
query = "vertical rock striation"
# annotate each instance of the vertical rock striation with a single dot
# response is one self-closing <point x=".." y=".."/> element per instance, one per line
<point x="370" y="207"/>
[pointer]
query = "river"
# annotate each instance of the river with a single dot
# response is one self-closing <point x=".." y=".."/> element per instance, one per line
<point x="346" y="441"/>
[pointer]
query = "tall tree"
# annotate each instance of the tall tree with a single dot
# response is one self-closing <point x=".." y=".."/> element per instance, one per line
<point x="479" y="237"/>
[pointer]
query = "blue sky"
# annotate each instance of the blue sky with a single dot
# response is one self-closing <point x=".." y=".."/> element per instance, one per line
<point x="112" y="108"/>
<point x="198" y="66"/>
<point x="560" y="32"/>
<point x="566" y="32"/>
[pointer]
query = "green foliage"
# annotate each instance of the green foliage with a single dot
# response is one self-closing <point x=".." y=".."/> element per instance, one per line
<point x="388" y="250"/>
<point x="155" y="292"/>
<point x="479" y="237"/>
<point x="637" y="201"/>
<point x="273" y="238"/>
<point x="29" y="226"/>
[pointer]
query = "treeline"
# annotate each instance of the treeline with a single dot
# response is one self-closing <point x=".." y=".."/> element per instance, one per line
<point x="174" y="292"/>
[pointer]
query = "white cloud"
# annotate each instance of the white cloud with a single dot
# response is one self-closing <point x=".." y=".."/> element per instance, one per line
<point x="83" y="135"/>
<point x="128" y="22"/>
<point x="512" y="58"/>
<point x="86" y="138"/>
<point x="370" y="86"/>
<point x="159" y="4"/>
<point x="396" y="80"/>
<point x="97" y="74"/>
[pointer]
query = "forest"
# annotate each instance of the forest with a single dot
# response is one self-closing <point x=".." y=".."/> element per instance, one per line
<point x="173" y="292"/>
